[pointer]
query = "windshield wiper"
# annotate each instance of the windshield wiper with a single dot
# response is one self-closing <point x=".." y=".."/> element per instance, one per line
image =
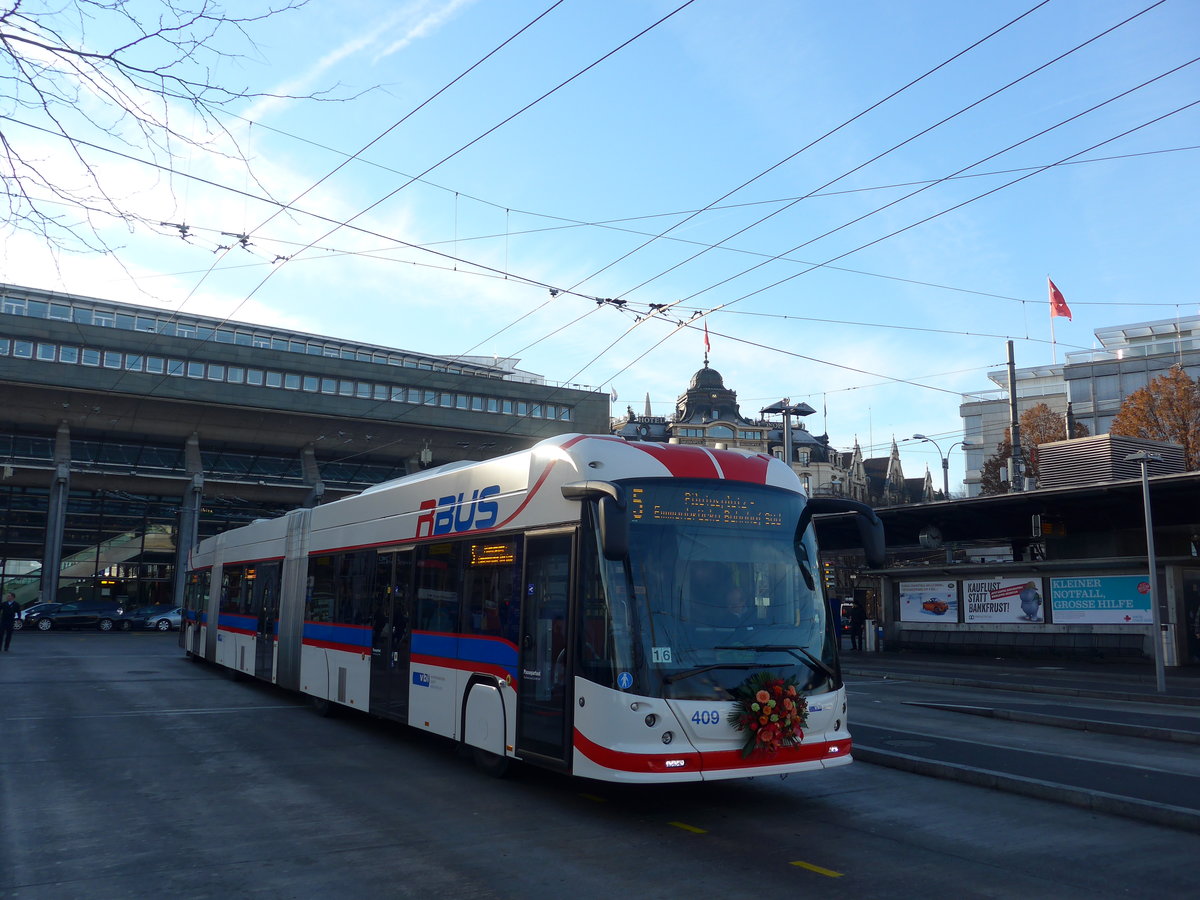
<point x="813" y="662"/>
<point x="688" y="673"/>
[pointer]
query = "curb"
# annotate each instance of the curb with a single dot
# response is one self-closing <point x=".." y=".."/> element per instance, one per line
<point x="1127" y="807"/>
<point x="1096" y="726"/>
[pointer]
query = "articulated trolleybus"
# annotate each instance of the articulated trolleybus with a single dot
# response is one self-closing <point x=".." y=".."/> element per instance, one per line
<point x="614" y="610"/>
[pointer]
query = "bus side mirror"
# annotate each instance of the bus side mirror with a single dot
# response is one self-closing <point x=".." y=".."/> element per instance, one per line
<point x="614" y="529"/>
<point x="611" y="518"/>
<point x="870" y="527"/>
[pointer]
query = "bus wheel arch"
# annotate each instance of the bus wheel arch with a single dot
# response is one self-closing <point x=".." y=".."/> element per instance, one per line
<point x="484" y="725"/>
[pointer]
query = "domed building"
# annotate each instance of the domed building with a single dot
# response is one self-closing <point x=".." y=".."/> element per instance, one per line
<point x="707" y="414"/>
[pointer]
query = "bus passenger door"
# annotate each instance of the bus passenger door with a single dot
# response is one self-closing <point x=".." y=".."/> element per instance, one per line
<point x="545" y="691"/>
<point x="391" y="634"/>
<point x="266" y="587"/>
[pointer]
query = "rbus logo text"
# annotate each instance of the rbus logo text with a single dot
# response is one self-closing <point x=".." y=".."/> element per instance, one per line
<point x="450" y="514"/>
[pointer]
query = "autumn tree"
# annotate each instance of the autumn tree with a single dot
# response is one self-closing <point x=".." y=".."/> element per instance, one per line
<point x="1039" y="425"/>
<point x="87" y="83"/>
<point x="1167" y="409"/>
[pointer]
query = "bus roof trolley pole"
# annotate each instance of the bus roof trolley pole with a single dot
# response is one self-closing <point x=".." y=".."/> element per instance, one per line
<point x="614" y="526"/>
<point x="870" y="527"/>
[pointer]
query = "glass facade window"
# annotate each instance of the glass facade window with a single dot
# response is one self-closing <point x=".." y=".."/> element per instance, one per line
<point x="1108" y="387"/>
<point x="104" y="317"/>
<point x="197" y="369"/>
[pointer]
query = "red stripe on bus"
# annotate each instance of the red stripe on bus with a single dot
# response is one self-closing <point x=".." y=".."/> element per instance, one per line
<point x="356" y="649"/>
<point x="231" y="630"/>
<point x="743" y="468"/>
<point x="465" y="665"/>
<point x="682" y="460"/>
<point x="693" y="761"/>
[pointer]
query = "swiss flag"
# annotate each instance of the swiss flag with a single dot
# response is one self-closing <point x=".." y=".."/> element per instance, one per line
<point x="1058" y="305"/>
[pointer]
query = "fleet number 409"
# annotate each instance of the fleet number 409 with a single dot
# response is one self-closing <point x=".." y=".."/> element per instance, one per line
<point x="706" y="717"/>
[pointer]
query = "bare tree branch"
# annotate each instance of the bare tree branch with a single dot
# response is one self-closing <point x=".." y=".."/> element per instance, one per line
<point x="128" y="72"/>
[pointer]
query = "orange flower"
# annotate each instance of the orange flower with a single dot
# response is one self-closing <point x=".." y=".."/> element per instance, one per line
<point x="762" y="696"/>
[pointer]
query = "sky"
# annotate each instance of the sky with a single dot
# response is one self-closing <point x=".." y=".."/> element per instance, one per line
<point x="862" y="202"/>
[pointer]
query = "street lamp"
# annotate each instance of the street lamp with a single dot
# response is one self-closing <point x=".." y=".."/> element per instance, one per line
<point x="966" y="445"/>
<point x="787" y="409"/>
<point x="1145" y="459"/>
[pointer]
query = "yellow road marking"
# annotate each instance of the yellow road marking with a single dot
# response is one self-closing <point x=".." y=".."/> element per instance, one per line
<point x="593" y="797"/>
<point x="692" y="828"/>
<point x="828" y="873"/>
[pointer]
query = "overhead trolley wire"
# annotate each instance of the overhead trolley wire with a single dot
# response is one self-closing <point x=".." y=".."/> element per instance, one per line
<point x="811" y="144"/>
<point x="888" y="151"/>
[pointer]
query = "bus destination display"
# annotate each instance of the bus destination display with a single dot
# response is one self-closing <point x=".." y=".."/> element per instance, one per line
<point x="703" y="506"/>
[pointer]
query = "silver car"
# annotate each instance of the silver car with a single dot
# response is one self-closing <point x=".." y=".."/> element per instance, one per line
<point x="164" y="619"/>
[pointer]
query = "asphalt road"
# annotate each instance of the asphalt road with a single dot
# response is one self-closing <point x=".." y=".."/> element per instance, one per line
<point x="129" y="771"/>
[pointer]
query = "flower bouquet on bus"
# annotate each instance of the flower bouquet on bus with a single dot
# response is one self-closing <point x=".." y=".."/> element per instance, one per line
<point x="771" y="711"/>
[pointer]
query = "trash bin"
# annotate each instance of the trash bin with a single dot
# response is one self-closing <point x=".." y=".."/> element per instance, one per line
<point x="869" y="636"/>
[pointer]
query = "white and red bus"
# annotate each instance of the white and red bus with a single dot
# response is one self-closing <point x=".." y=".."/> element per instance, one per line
<point x="590" y="604"/>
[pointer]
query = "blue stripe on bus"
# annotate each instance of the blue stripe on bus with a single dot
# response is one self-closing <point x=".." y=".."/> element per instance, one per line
<point x="348" y="635"/>
<point x="237" y="622"/>
<point x="496" y="651"/>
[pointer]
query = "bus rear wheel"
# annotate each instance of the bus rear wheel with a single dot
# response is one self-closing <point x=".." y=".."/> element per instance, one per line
<point x="322" y="707"/>
<point x="490" y="763"/>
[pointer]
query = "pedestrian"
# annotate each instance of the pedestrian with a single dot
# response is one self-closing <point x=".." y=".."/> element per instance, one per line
<point x="858" y="622"/>
<point x="9" y="610"/>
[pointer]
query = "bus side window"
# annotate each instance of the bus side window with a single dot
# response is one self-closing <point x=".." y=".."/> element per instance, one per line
<point x="437" y="588"/>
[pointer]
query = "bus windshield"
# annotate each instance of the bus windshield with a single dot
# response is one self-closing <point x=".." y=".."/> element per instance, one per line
<point x="716" y="588"/>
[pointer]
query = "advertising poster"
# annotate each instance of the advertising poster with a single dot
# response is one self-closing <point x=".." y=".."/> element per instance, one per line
<point x="1101" y="600"/>
<point x="929" y="601"/>
<point x="1003" y="600"/>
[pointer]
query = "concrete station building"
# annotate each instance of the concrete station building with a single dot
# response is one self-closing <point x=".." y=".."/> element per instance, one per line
<point x="125" y="430"/>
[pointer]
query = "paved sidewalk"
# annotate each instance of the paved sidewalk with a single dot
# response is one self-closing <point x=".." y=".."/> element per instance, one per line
<point x="1117" y="699"/>
<point x="1081" y="678"/>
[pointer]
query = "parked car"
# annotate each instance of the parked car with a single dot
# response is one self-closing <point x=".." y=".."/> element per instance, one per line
<point x="32" y="609"/>
<point x="160" y="618"/>
<point x="102" y="614"/>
